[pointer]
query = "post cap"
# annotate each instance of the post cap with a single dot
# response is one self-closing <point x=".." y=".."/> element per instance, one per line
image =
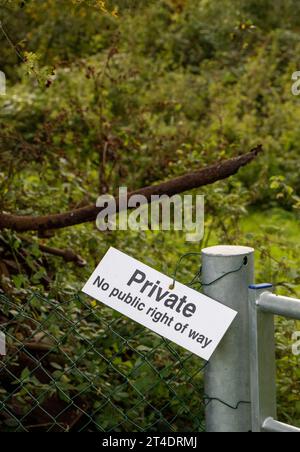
<point x="227" y="250"/>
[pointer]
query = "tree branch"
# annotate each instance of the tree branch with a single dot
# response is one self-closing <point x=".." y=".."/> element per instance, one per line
<point x="68" y="255"/>
<point x="196" y="179"/>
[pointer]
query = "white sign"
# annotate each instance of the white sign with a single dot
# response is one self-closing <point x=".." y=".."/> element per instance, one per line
<point x="184" y="316"/>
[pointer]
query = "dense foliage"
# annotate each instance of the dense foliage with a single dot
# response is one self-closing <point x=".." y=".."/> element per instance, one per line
<point x="103" y="94"/>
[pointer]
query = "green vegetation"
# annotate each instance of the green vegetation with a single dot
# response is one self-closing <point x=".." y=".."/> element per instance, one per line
<point x="132" y="93"/>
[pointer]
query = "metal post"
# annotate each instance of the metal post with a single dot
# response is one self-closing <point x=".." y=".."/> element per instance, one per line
<point x="263" y="305"/>
<point x="227" y="379"/>
<point x="262" y="360"/>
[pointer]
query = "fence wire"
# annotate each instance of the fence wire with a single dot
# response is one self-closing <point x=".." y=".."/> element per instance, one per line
<point x="73" y="365"/>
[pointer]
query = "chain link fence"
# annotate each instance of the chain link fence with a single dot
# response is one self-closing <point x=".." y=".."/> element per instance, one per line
<point x="73" y="365"/>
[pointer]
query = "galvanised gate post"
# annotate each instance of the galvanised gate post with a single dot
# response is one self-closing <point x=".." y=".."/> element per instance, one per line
<point x="227" y="273"/>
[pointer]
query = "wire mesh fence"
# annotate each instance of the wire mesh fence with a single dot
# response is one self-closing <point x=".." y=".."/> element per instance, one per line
<point x="74" y="365"/>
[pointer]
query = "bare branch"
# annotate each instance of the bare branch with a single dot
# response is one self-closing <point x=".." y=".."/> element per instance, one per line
<point x="196" y="179"/>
